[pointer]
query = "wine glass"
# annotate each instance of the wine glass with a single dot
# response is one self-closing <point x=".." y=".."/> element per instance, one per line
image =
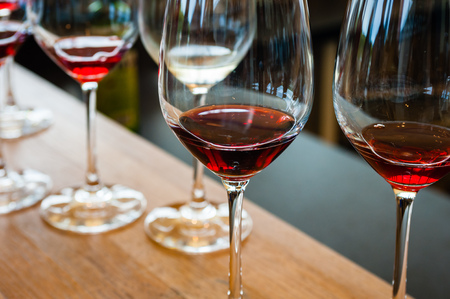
<point x="86" y="39"/>
<point x="24" y="188"/>
<point x="16" y="121"/>
<point x="198" y="226"/>
<point x="391" y="98"/>
<point x="236" y="86"/>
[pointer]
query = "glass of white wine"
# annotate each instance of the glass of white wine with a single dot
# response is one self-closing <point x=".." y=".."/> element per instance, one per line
<point x="199" y="225"/>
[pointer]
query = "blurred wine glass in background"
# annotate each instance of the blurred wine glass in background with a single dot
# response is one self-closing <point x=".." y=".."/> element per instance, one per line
<point x="24" y="188"/>
<point x="87" y="39"/>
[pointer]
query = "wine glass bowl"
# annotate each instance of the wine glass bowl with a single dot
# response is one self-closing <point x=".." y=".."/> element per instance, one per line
<point x="208" y="49"/>
<point x="12" y="35"/>
<point x="151" y="21"/>
<point x="236" y="88"/>
<point x="235" y="141"/>
<point x="87" y="39"/>
<point x="88" y="48"/>
<point x="391" y="90"/>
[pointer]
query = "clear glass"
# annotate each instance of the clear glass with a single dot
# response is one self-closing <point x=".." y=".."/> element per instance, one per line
<point x="236" y="87"/>
<point x="199" y="225"/>
<point x="16" y="121"/>
<point x="24" y="188"/>
<point x="391" y="98"/>
<point x="86" y="39"/>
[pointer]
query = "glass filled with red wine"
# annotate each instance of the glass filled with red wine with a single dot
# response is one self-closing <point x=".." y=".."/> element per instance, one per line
<point x="16" y="120"/>
<point x="236" y="87"/>
<point x="391" y="98"/>
<point x="198" y="225"/>
<point x="87" y="39"/>
<point x="24" y="188"/>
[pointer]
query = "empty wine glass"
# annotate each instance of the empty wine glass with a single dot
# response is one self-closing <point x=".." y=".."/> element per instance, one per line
<point x="236" y="86"/>
<point x="86" y="39"/>
<point x="391" y="98"/>
<point x="16" y="121"/>
<point x="198" y="226"/>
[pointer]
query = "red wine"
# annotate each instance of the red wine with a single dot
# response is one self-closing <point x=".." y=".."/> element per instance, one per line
<point x="235" y="141"/>
<point x="88" y="58"/>
<point x="408" y="155"/>
<point x="9" y="5"/>
<point x="11" y="38"/>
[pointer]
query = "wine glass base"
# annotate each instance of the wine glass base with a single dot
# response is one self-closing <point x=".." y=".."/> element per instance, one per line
<point x="110" y="208"/>
<point x="19" y="190"/>
<point x="16" y="123"/>
<point x="167" y="227"/>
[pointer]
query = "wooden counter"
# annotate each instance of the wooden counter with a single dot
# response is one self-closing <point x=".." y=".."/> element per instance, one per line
<point x="38" y="261"/>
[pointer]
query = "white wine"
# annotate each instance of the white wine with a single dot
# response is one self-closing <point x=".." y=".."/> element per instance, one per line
<point x="201" y="66"/>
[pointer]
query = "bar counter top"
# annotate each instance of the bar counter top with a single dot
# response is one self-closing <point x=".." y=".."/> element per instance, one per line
<point x="38" y="261"/>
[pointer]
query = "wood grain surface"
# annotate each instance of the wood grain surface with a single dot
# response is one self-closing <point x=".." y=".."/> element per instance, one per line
<point x="38" y="261"/>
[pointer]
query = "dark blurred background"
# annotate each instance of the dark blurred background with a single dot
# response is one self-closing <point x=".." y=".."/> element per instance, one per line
<point x="129" y="95"/>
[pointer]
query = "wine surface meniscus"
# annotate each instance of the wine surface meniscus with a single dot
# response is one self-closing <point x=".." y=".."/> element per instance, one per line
<point x="88" y="58"/>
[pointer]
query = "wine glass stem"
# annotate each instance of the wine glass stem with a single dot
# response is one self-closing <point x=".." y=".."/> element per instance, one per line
<point x="405" y="202"/>
<point x="235" y="191"/>
<point x="3" y="172"/>
<point x="90" y="96"/>
<point x="5" y="67"/>
<point x="10" y="100"/>
<point x="198" y="200"/>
